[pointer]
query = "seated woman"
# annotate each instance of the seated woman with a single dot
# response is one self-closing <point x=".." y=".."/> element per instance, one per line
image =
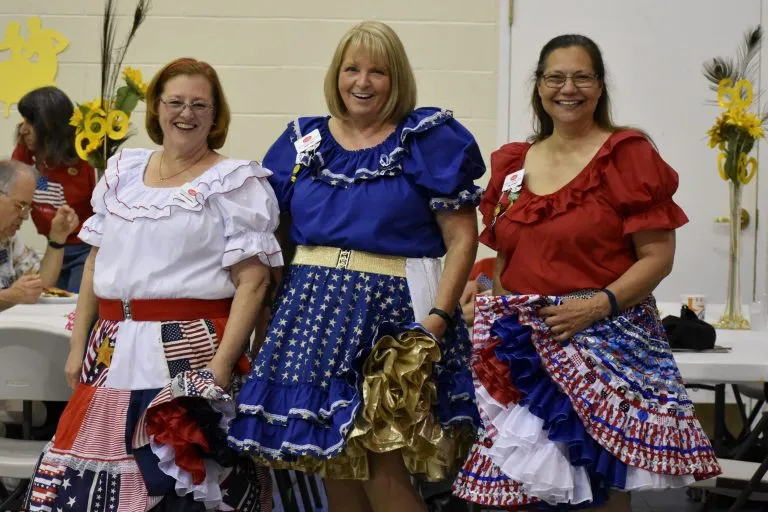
<point x="47" y="141"/>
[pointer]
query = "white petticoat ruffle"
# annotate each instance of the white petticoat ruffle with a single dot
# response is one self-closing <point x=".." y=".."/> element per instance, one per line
<point x="523" y="452"/>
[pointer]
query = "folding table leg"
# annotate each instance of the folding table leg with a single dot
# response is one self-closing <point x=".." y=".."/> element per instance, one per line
<point x="16" y="497"/>
<point x="753" y="482"/>
<point x="719" y="419"/>
<point x="755" y="411"/>
<point x="742" y="408"/>
<point x="746" y="446"/>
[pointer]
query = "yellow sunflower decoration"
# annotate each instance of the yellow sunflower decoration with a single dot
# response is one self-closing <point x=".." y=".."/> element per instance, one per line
<point x="105" y="121"/>
<point x="135" y="81"/>
<point x="737" y="128"/>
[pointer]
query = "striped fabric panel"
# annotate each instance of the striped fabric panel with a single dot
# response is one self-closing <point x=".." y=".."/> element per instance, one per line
<point x="294" y="491"/>
<point x="90" y="373"/>
<point x="109" y="406"/>
<point x="45" y="484"/>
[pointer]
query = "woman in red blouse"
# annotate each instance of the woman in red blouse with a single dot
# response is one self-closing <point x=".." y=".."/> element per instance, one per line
<point x="47" y="141"/>
<point x="578" y="389"/>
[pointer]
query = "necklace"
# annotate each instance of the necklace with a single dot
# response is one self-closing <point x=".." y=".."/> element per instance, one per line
<point x="166" y="178"/>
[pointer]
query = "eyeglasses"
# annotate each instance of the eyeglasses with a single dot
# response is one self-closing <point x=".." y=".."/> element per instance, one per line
<point x="580" y="80"/>
<point x="177" y="106"/>
<point x="23" y="208"/>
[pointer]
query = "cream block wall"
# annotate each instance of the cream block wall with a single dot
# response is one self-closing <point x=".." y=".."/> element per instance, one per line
<point x="271" y="56"/>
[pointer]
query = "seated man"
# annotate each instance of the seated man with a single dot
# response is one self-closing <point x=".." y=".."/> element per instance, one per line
<point x="23" y="274"/>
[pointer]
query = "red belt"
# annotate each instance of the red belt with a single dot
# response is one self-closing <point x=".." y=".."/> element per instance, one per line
<point x="162" y="310"/>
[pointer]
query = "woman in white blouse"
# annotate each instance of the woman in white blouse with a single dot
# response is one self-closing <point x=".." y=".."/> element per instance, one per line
<point x="182" y="246"/>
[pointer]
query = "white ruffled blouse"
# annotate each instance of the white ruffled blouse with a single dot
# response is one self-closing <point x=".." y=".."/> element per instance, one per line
<point x="161" y="243"/>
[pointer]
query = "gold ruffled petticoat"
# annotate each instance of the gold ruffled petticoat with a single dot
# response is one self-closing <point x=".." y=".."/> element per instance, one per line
<point x="396" y="414"/>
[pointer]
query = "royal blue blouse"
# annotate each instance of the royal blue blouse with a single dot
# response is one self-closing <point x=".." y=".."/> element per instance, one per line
<point x="381" y="199"/>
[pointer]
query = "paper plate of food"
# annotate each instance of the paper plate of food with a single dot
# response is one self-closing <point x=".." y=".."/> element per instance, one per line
<point x="57" y="296"/>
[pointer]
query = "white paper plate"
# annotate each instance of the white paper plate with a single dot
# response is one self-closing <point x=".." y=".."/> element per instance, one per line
<point x="58" y="300"/>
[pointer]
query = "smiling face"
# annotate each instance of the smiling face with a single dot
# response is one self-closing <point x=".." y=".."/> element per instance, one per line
<point x="568" y="87"/>
<point x="364" y="85"/>
<point x="186" y="112"/>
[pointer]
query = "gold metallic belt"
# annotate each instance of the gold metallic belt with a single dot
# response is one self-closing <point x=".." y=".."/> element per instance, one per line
<point x="359" y="261"/>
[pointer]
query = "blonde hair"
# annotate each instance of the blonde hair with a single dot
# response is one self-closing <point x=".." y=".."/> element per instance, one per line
<point x="382" y="46"/>
<point x="190" y="67"/>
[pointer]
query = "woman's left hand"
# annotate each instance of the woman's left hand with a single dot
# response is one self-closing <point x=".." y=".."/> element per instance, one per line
<point x="222" y="373"/>
<point x="574" y="315"/>
<point x="435" y="325"/>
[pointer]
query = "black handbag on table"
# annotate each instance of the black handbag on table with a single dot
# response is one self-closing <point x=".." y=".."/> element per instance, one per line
<point x="688" y="331"/>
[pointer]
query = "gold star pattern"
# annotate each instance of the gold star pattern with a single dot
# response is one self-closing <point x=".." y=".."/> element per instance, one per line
<point x="104" y="354"/>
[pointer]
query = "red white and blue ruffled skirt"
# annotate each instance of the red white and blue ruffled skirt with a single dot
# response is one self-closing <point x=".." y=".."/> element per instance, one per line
<point x="565" y="422"/>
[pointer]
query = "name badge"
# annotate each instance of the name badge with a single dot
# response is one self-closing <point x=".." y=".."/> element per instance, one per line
<point x="187" y="194"/>
<point x="513" y="182"/>
<point x="308" y="142"/>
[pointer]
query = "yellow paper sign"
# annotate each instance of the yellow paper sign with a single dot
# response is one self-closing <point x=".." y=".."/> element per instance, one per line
<point x="28" y="63"/>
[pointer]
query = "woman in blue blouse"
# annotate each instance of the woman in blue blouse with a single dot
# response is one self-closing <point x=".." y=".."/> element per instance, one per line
<point x="363" y="375"/>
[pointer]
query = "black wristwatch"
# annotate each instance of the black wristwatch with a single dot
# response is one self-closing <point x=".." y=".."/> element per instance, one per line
<point x="55" y="245"/>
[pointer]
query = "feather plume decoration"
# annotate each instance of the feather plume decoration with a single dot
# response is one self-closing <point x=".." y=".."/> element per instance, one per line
<point x="103" y="124"/>
<point x="111" y="56"/>
<point x="748" y="51"/>
<point x="722" y="68"/>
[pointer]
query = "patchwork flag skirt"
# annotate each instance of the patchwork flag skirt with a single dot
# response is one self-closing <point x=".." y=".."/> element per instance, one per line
<point x="146" y="427"/>
<point x="565" y="422"/>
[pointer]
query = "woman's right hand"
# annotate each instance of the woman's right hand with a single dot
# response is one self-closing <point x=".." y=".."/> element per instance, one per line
<point x="73" y="367"/>
<point x="467" y="300"/>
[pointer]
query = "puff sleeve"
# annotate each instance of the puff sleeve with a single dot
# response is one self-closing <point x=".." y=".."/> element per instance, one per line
<point x="642" y="185"/>
<point x="92" y="230"/>
<point x="442" y="157"/>
<point x="251" y="215"/>
<point x="280" y="160"/>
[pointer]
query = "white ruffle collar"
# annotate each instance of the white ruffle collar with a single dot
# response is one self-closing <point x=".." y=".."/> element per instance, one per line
<point x="128" y="197"/>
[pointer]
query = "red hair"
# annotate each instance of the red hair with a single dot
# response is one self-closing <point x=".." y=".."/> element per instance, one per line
<point x="189" y="67"/>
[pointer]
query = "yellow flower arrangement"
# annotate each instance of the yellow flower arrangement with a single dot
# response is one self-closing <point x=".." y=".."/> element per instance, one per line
<point x="735" y="131"/>
<point x="106" y="122"/>
<point x="135" y="81"/>
<point x="734" y="134"/>
<point x="737" y="128"/>
<point x="103" y="124"/>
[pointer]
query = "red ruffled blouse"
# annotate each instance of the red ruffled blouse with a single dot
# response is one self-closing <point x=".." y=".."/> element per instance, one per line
<point x="579" y="236"/>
